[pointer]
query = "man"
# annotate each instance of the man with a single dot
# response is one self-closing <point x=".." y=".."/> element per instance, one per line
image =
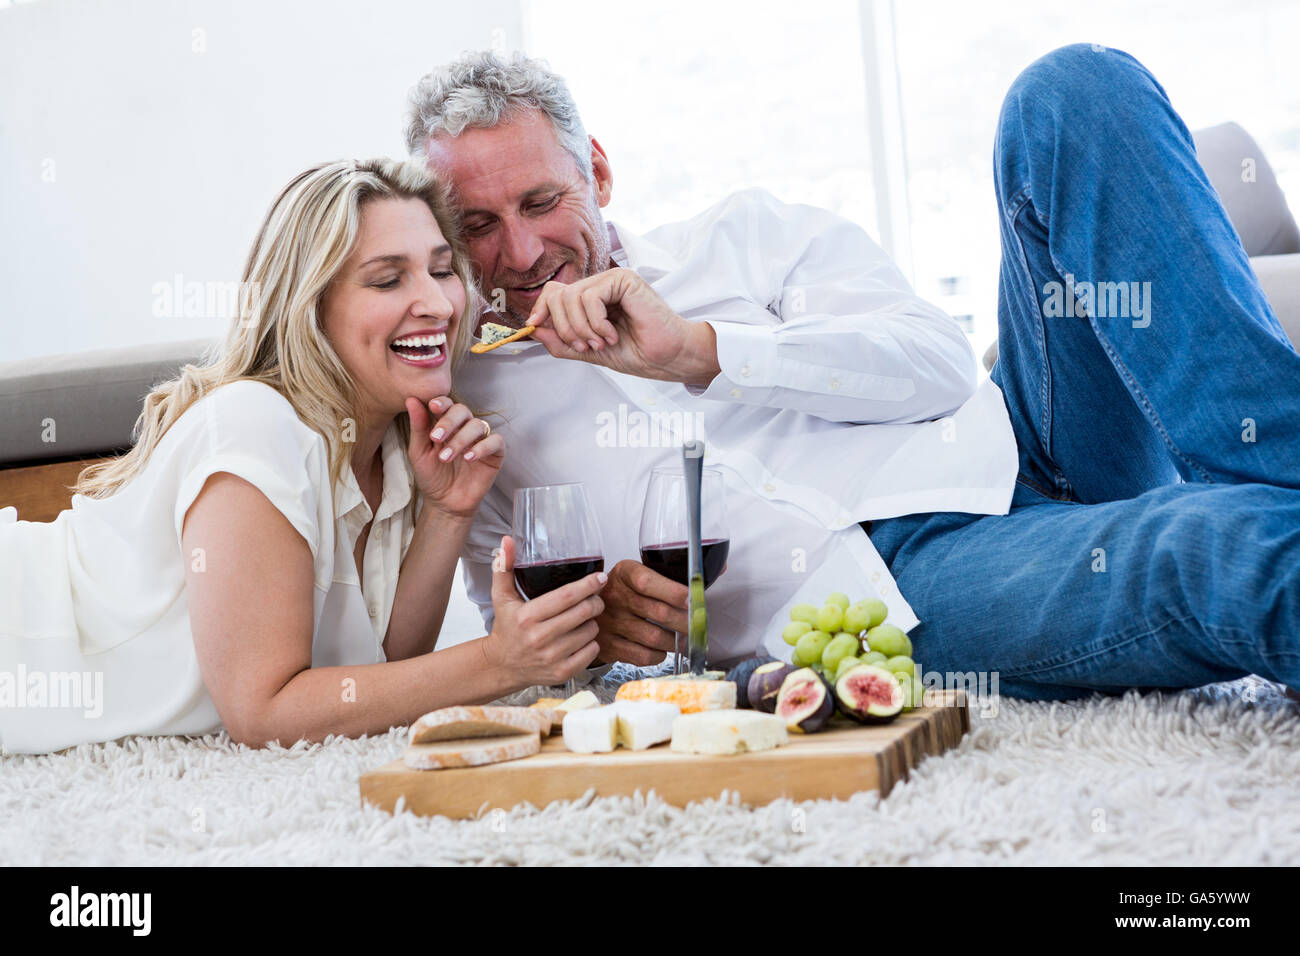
<point x="1055" y="545"/>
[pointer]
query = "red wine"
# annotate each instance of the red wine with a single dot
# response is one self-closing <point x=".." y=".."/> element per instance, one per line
<point x="545" y="576"/>
<point x="670" y="559"/>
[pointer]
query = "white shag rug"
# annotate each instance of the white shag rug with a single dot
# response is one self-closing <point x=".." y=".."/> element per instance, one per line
<point x="1197" y="777"/>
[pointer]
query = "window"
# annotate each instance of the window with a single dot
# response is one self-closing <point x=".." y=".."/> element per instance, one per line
<point x="693" y="100"/>
<point x="1218" y="60"/>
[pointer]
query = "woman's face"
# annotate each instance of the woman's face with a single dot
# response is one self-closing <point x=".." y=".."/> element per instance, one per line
<point x="391" y="312"/>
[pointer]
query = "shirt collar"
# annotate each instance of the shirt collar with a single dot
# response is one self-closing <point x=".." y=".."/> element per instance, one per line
<point x="398" y="482"/>
<point x="640" y="254"/>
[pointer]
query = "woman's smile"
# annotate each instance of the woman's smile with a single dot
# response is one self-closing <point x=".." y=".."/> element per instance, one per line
<point x="424" y="349"/>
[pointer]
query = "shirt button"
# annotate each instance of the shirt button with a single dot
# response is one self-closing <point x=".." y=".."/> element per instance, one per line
<point x="735" y="393"/>
<point x="769" y="487"/>
<point x="374" y="610"/>
<point x="650" y="401"/>
<point x="835" y="384"/>
<point x="745" y="370"/>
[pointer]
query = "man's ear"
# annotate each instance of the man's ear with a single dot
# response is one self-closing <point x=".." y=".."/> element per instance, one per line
<point x="601" y="173"/>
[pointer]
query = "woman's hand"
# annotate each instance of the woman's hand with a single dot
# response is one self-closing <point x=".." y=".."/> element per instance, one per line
<point x="455" y="459"/>
<point x="548" y="639"/>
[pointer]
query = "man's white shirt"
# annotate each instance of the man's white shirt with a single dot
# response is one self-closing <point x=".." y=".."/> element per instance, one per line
<point x="843" y="397"/>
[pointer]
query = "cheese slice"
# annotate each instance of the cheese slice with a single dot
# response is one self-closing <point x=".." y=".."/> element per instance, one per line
<point x="495" y="335"/>
<point x="728" y="732"/>
<point x="494" y="332"/>
<point x="458" y="723"/>
<point x="644" y="723"/>
<point x="690" y="695"/>
<point x="446" y="754"/>
<point x="591" y="731"/>
<point x="579" y="701"/>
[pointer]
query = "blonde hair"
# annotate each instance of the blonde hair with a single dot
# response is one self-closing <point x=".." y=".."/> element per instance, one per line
<point x="278" y="338"/>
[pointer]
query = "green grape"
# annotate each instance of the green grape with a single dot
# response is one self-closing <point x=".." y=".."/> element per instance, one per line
<point x="876" y="608"/>
<point x="888" y="640"/>
<point x="808" y="649"/>
<point x="901" y="664"/>
<point x="830" y="619"/>
<point x="876" y="658"/>
<point x="913" y="694"/>
<point x="803" y="612"/>
<point x="841" y="646"/>
<point x="845" y="664"/>
<point x="856" y="619"/>
<point x="795" y="630"/>
<point x="839" y="599"/>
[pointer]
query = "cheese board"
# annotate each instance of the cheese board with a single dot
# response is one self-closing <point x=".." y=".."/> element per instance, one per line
<point x="834" y="763"/>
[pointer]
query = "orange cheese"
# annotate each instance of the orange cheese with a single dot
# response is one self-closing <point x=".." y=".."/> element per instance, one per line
<point x="690" y="695"/>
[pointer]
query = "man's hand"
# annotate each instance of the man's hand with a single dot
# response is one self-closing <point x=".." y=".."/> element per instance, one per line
<point x="615" y="319"/>
<point x="643" y="611"/>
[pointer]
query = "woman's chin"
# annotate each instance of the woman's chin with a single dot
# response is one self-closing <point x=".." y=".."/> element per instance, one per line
<point x="425" y="385"/>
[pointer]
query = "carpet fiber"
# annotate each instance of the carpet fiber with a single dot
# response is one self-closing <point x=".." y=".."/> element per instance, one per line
<point x="1198" y="777"/>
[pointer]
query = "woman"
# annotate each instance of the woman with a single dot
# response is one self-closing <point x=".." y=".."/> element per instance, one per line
<point x="240" y="565"/>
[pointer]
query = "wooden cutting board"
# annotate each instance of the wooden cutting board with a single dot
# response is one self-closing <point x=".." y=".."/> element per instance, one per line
<point x="834" y="763"/>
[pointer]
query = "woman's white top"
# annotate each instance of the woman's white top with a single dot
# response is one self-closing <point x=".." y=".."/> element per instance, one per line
<point x="95" y="639"/>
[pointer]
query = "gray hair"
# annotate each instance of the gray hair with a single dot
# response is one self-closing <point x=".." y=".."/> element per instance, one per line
<point x="481" y="89"/>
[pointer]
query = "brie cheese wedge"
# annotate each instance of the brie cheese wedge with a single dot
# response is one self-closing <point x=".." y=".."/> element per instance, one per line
<point x="728" y="732"/>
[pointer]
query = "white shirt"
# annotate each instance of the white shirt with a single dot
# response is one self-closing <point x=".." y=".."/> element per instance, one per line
<point x="97" y="596"/>
<point x="843" y="397"/>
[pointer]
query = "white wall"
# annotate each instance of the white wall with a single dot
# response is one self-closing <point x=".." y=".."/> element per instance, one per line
<point x="142" y="139"/>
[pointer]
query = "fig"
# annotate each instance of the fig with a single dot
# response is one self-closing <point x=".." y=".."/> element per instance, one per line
<point x="845" y="665"/>
<point x="869" y="694"/>
<point x="804" y="702"/>
<point x="765" y="685"/>
<point x="740" y="674"/>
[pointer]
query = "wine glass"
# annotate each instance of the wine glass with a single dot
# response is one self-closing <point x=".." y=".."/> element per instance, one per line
<point x="664" y="530"/>
<point x="557" y="541"/>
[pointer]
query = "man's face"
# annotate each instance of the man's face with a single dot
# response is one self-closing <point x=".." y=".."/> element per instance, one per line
<point x="529" y="215"/>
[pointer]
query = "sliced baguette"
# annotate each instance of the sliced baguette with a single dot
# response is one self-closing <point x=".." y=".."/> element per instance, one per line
<point x="460" y="723"/>
<point x="447" y="754"/>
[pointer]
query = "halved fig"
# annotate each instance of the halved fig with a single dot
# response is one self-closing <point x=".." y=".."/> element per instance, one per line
<point x="869" y="694"/>
<point x="765" y="685"/>
<point x="804" y="702"/>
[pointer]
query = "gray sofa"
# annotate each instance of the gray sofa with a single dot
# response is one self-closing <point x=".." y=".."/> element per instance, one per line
<point x="94" y="397"/>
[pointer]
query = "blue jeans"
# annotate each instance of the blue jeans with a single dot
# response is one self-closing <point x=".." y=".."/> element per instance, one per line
<point x="1153" y="539"/>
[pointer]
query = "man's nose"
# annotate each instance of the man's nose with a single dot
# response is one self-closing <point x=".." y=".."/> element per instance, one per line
<point x="520" y="247"/>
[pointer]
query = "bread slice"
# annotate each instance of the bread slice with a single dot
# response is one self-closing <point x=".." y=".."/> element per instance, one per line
<point x="448" y="754"/>
<point x="461" y="723"/>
